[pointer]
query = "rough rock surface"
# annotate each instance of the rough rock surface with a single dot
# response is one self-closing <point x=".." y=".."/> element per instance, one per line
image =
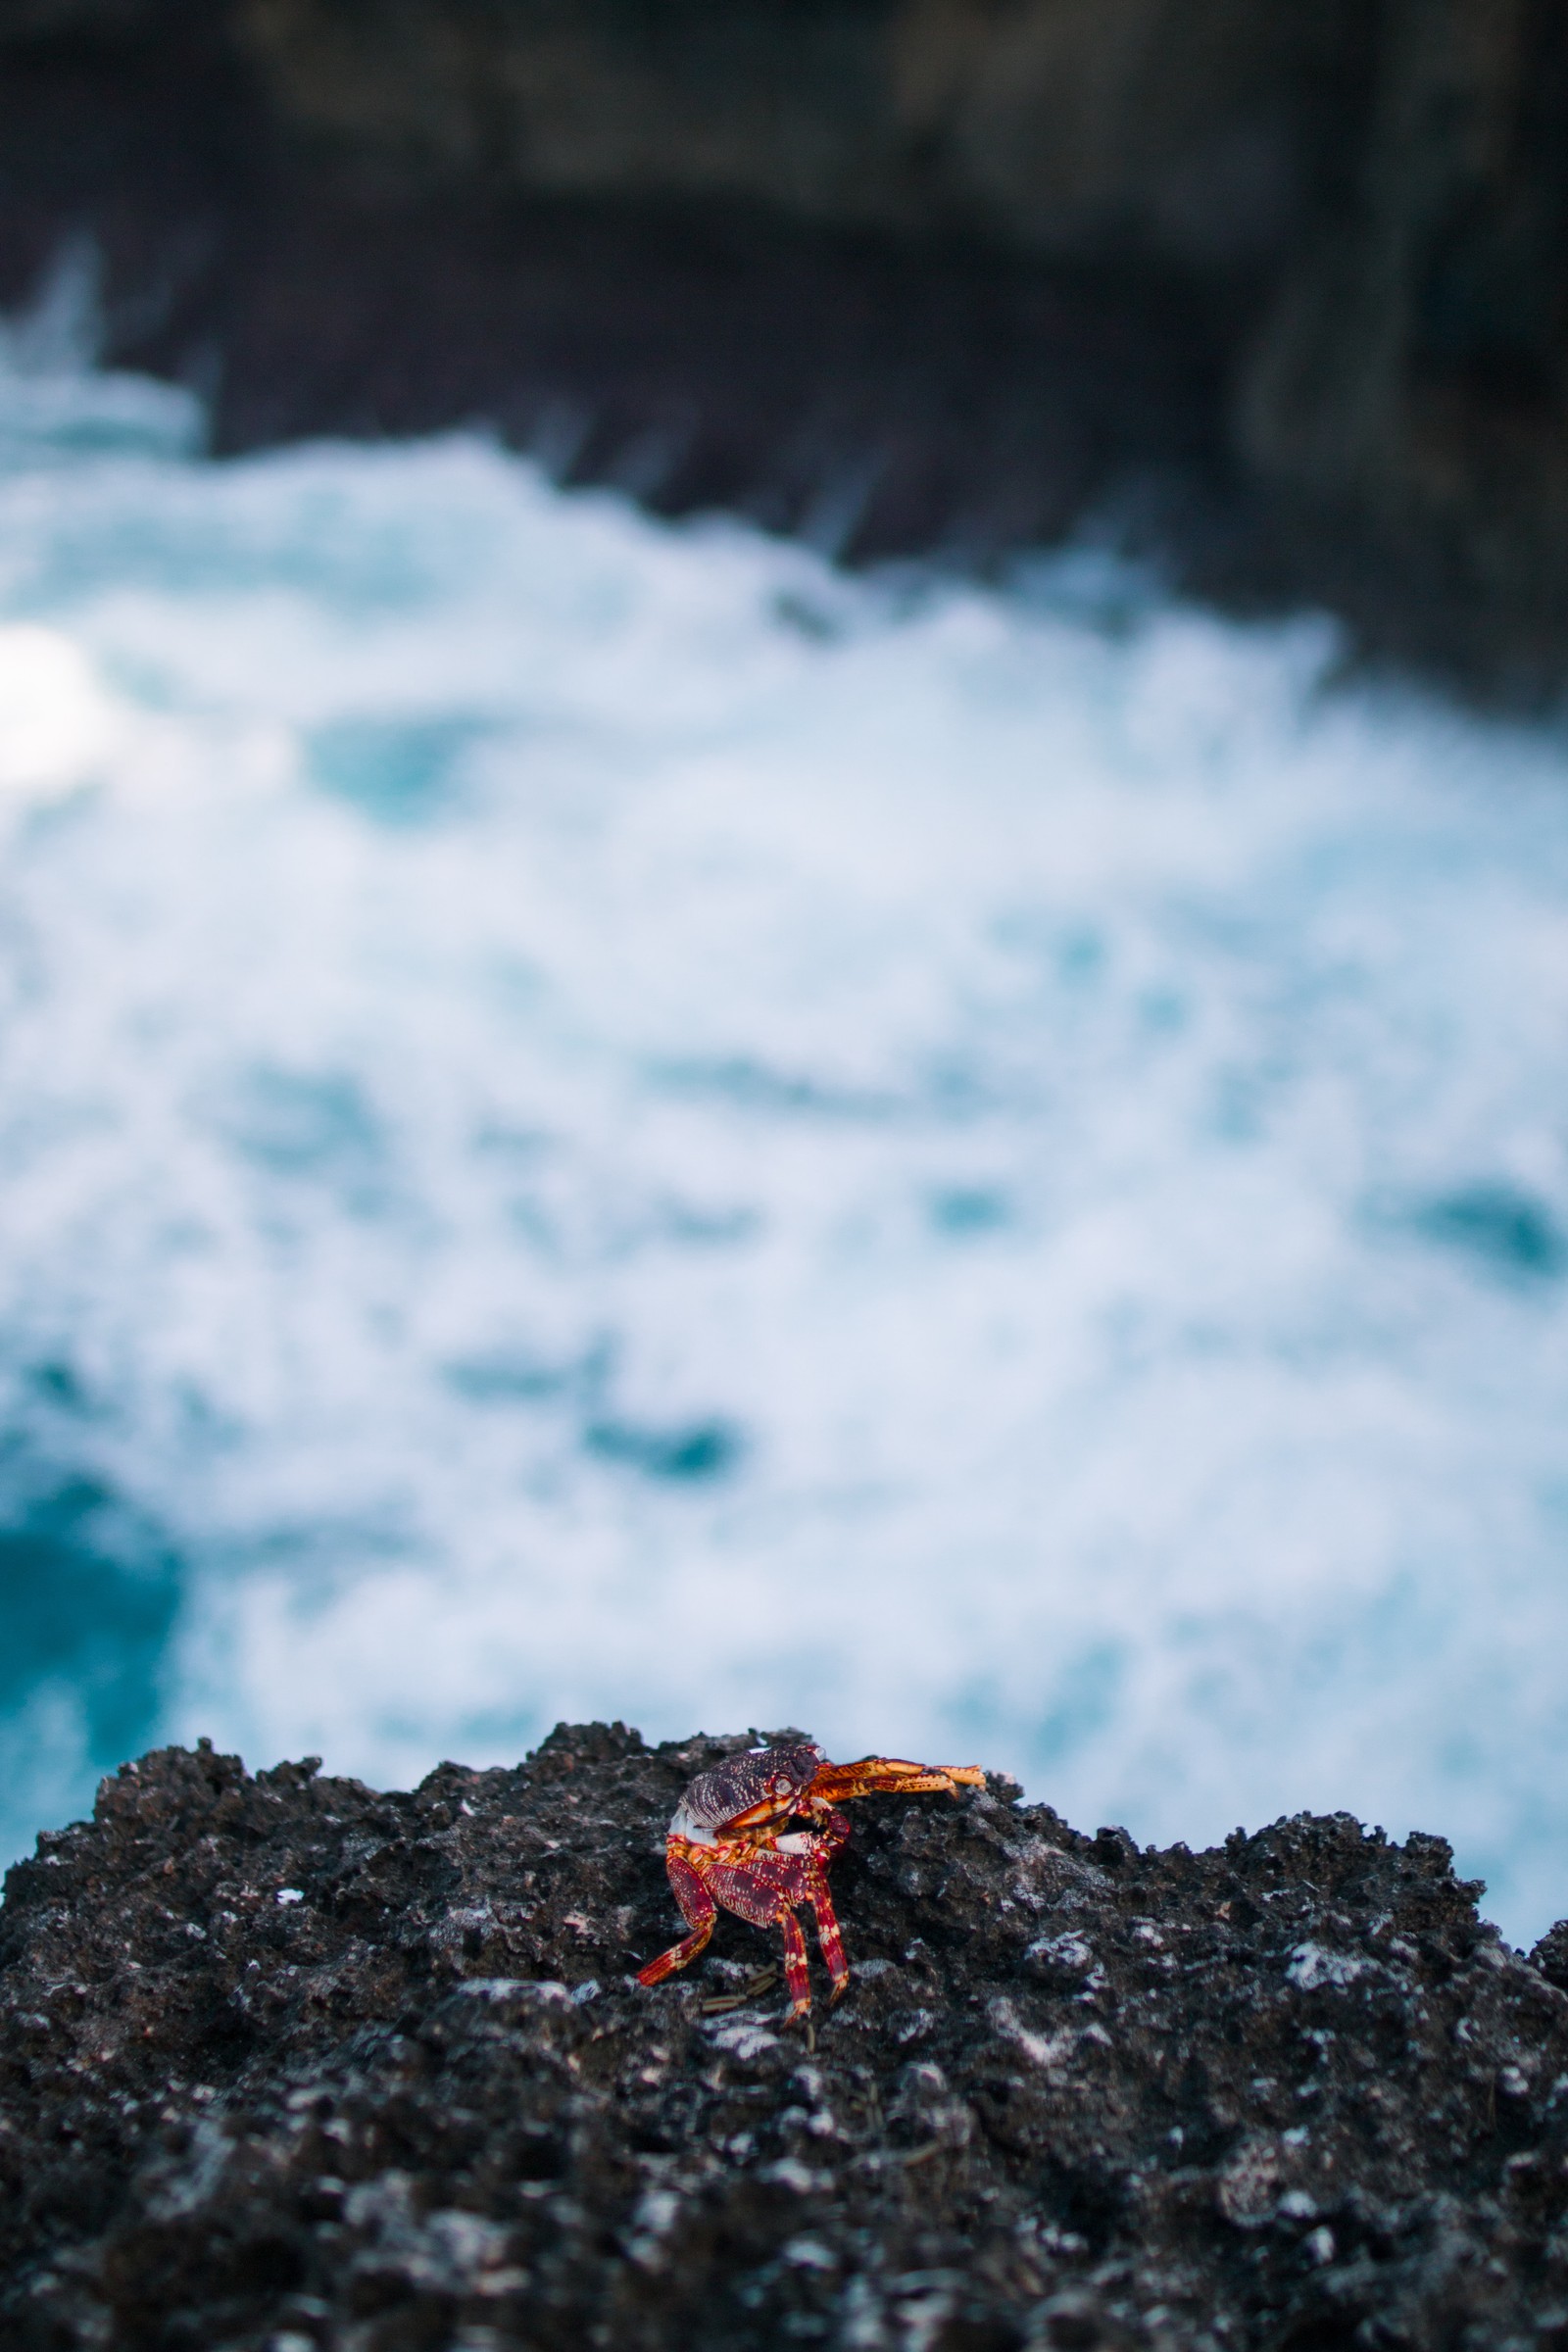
<point x="285" y="2063"/>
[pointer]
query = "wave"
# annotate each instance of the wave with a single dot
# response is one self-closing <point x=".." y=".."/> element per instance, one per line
<point x="597" y="1119"/>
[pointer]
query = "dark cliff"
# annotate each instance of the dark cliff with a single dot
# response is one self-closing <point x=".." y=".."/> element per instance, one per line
<point x="287" y="2064"/>
<point x="1283" y="285"/>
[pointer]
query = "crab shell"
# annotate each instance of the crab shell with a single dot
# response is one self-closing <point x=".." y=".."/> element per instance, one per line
<point x="762" y="1777"/>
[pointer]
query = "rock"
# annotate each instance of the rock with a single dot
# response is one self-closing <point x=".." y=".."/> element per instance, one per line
<point x="1550" y="1955"/>
<point x="1187" y="129"/>
<point x="285" y="2063"/>
<point x="1282" y="291"/>
<point x="302" y="216"/>
<point x="1405" y="400"/>
<point x="1194" y="129"/>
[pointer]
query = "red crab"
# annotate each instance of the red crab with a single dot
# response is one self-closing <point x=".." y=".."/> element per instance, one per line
<point x="727" y="1845"/>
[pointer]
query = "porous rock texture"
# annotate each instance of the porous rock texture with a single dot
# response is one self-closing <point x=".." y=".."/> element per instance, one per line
<point x="285" y="2063"/>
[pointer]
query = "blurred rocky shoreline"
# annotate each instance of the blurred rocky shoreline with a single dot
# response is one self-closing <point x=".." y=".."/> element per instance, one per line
<point x="286" y="2064"/>
<point x="1278" y="294"/>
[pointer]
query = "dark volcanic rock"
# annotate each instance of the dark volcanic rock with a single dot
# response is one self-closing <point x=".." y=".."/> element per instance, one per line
<point x="1278" y="289"/>
<point x="290" y="2064"/>
<point x="878" y="393"/>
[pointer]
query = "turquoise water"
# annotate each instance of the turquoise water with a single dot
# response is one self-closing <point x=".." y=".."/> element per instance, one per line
<point x="597" y="1120"/>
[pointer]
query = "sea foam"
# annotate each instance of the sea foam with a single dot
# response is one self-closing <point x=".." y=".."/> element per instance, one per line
<point x="597" y="1119"/>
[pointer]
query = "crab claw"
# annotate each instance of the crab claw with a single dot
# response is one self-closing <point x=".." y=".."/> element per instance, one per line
<point x="889" y="1776"/>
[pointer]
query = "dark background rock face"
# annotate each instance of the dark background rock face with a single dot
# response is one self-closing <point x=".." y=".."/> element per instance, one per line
<point x="1281" y="289"/>
<point x="285" y="2063"/>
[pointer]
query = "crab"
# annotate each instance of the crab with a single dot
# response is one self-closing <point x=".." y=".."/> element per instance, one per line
<point x="729" y="1845"/>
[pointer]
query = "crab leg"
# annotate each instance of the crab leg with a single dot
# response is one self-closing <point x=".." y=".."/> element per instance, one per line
<point x="832" y="1829"/>
<point x="697" y="1908"/>
<point x="827" y="1936"/>
<point x="796" y="1973"/>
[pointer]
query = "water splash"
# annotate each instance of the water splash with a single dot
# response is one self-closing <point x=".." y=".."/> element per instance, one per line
<point x="981" y="1173"/>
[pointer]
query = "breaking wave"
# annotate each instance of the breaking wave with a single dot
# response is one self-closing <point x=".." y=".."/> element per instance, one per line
<point x="596" y="1119"/>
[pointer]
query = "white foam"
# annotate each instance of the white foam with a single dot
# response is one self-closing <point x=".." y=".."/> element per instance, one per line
<point x="980" y="1181"/>
<point x="56" y="725"/>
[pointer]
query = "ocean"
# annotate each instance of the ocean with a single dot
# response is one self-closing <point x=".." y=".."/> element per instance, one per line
<point x="596" y="1118"/>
